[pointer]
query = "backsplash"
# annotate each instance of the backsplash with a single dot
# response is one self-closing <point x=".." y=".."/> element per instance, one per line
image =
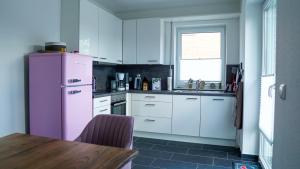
<point x="105" y="73"/>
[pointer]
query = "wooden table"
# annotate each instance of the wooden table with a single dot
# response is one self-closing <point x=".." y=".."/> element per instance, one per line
<point x="21" y="151"/>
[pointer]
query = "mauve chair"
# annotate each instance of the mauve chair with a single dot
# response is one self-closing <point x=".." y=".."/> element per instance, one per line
<point x="109" y="130"/>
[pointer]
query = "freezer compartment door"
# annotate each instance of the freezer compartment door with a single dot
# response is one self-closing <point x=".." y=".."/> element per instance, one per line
<point x="77" y="110"/>
<point x="77" y="69"/>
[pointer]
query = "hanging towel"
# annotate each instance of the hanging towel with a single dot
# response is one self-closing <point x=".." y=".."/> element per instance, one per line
<point x="238" y="123"/>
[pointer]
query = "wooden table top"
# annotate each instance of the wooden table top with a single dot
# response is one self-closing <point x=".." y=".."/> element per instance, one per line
<point x="21" y="151"/>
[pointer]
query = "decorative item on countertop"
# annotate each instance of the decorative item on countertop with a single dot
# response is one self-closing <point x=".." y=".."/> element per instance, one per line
<point x="170" y="79"/>
<point x="212" y="86"/>
<point x="145" y="84"/>
<point x="55" y="47"/>
<point x="202" y="85"/>
<point x="156" y="83"/>
<point x="137" y="82"/>
<point x="198" y="84"/>
<point x="190" y="84"/>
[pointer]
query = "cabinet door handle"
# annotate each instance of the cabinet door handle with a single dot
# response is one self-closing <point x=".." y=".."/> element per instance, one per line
<point x="119" y="61"/>
<point x="150" y="97"/>
<point x="218" y="99"/>
<point x="95" y="57"/>
<point x="103" y="110"/>
<point x="191" y="98"/>
<point x="152" y="61"/>
<point x="150" y="120"/>
<point x="101" y="101"/>
<point x="149" y="104"/>
<point x="103" y="58"/>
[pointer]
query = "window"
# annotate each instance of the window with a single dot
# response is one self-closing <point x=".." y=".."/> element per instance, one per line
<point x="200" y="54"/>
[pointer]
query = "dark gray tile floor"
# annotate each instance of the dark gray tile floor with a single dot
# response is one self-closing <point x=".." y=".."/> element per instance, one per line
<point x="162" y="154"/>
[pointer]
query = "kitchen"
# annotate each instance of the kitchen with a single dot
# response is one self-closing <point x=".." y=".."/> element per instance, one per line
<point x="191" y="74"/>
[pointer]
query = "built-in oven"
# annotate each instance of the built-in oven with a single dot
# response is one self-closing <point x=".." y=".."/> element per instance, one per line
<point x="118" y="103"/>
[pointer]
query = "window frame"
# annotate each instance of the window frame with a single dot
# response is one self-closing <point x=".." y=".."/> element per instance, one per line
<point x="180" y="84"/>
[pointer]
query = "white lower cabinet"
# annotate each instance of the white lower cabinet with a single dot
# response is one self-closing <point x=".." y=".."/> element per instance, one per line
<point x="152" y="109"/>
<point x="102" y="110"/>
<point x="186" y="115"/>
<point x="217" y="117"/>
<point x="152" y="124"/>
<point x="101" y="105"/>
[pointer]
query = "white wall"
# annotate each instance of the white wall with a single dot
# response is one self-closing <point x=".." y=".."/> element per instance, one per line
<point x="287" y="112"/>
<point x="23" y="26"/>
<point x="251" y="51"/>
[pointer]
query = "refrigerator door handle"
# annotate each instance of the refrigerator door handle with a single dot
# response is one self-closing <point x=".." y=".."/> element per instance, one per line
<point x="74" y="80"/>
<point x="74" y="92"/>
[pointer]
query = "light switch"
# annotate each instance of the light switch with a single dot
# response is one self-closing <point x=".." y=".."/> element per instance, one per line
<point x="282" y="91"/>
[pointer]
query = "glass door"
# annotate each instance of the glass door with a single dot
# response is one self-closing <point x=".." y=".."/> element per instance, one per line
<point x="268" y="83"/>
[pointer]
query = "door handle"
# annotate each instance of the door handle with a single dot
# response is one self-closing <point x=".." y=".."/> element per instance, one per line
<point x="218" y="99"/>
<point x="117" y="104"/>
<point x="101" y="101"/>
<point x="74" y="92"/>
<point x="150" y="120"/>
<point x="152" y="61"/>
<point x="150" y="97"/>
<point x="149" y="104"/>
<point x="74" y="80"/>
<point x="191" y="98"/>
<point x="103" y="110"/>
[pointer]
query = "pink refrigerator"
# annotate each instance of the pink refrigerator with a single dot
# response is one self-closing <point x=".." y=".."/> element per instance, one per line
<point x="60" y="94"/>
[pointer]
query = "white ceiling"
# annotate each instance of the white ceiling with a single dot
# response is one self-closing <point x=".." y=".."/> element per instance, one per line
<point x="117" y="6"/>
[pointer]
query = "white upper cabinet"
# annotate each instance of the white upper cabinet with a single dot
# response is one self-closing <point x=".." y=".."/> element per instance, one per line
<point x="143" y="41"/>
<point x="110" y="38"/>
<point x="129" y="42"/>
<point x="217" y="117"/>
<point x="91" y="30"/>
<point x="88" y="29"/>
<point x="186" y="115"/>
<point x="149" y="43"/>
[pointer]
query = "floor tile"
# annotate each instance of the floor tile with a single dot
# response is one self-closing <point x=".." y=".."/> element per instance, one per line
<point x="223" y="162"/>
<point x="170" y="149"/>
<point x="152" y="141"/>
<point x="208" y="153"/>
<point x="219" y="148"/>
<point x="142" y="160"/>
<point x="192" y="159"/>
<point x="141" y="145"/>
<point x="170" y="164"/>
<point x="155" y="154"/>
<point x="143" y="167"/>
<point x="185" y="144"/>
<point x="200" y="166"/>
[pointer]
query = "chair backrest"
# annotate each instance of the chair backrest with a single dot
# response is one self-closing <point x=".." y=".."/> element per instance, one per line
<point x="109" y="130"/>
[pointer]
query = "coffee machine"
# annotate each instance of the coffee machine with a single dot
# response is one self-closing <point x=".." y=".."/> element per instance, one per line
<point x="121" y="81"/>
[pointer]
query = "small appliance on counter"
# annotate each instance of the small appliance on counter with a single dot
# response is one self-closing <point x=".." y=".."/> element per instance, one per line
<point x="137" y="82"/>
<point x="120" y="80"/>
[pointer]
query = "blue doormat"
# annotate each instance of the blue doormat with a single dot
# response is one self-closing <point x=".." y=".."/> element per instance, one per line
<point x="245" y="166"/>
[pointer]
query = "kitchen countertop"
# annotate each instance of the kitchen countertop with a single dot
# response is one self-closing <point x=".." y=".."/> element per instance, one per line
<point x="174" y="92"/>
